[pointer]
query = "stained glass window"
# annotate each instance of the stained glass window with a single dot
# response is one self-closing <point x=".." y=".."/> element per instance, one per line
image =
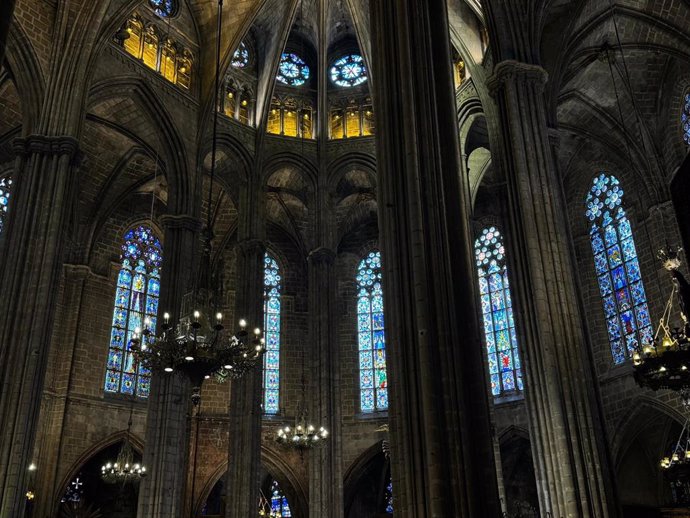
<point x="5" y="190"/>
<point x="240" y="59"/>
<point x="279" y="503"/>
<point x="685" y="118"/>
<point x="349" y="71"/>
<point x="617" y="268"/>
<point x="292" y="71"/>
<point x="505" y="370"/>
<point x="272" y="288"/>
<point x="164" y="8"/>
<point x="373" y="381"/>
<point x="389" y="496"/>
<point x="136" y="298"/>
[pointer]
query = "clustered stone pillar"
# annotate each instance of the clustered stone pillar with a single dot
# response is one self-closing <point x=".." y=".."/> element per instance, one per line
<point x="567" y="443"/>
<point x="441" y="447"/>
<point x="244" y="450"/>
<point x="325" y="463"/>
<point x="167" y="432"/>
<point x="30" y="271"/>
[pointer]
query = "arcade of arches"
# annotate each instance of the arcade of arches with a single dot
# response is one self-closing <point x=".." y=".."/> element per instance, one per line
<point x="444" y="215"/>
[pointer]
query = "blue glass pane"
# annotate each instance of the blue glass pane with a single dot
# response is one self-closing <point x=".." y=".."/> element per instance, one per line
<point x="349" y="71"/>
<point x="614" y="254"/>
<point x="272" y="325"/>
<point x="365" y="360"/>
<point x="292" y="70"/>
<point x="136" y="295"/>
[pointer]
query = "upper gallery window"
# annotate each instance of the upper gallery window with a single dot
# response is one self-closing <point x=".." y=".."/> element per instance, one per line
<point x="373" y="380"/>
<point x="164" y="8"/>
<point x="349" y="71"/>
<point x="617" y="269"/>
<point x="136" y="299"/>
<point x="292" y="71"/>
<point x="5" y="190"/>
<point x="240" y="59"/>
<point x="505" y="371"/>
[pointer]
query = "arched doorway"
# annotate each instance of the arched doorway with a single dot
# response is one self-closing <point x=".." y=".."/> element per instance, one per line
<point x="368" y="487"/>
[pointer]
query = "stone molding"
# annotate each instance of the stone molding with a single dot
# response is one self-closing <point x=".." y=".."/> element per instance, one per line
<point x="511" y="70"/>
<point x="181" y="221"/>
<point x="77" y="272"/>
<point x="42" y="144"/>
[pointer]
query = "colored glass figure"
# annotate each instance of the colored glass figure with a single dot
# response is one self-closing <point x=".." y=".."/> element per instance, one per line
<point x="617" y="268"/>
<point x="349" y="71"/>
<point x="136" y="298"/>
<point x="505" y="370"/>
<point x="389" y="496"/>
<point x="240" y="59"/>
<point x="164" y="8"/>
<point x="373" y="380"/>
<point x="685" y="118"/>
<point x="279" y="503"/>
<point x="292" y="71"/>
<point x="272" y="288"/>
<point x="5" y="190"/>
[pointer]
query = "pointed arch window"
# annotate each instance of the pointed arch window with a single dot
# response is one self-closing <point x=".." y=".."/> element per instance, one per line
<point x="240" y="58"/>
<point x="373" y="379"/>
<point x="685" y="118"/>
<point x="505" y="369"/>
<point x="136" y="298"/>
<point x="5" y="191"/>
<point x="617" y="268"/>
<point x="272" y="305"/>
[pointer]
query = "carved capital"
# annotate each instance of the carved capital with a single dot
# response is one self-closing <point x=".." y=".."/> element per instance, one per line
<point x="510" y="71"/>
<point x="181" y="221"/>
<point x="321" y="255"/>
<point x="41" y="144"/>
<point x="77" y="272"/>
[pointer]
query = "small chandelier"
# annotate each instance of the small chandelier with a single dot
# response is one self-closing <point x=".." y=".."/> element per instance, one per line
<point x="199" y="349"/>
<point x="124" y="470"/>
<point x="665" y="363"/>
<point x="676" y="466"/>
<point x="302" y="436"/>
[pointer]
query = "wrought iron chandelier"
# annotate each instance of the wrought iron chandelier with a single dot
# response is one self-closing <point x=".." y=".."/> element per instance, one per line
<point x="665" y="363"/>
<point x="676" y="465"/>
<point x="124" y="470"/>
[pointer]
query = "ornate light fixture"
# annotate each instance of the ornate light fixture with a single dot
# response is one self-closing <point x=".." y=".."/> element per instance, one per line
<point x="124" y="470"/>
<point x="665" y="363"/>
<point x="677" y="465"/>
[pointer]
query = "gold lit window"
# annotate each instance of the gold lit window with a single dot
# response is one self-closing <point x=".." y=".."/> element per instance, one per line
<point x="150" y="55"/>
<point x="184" y="71"/>
<point x="132" y="44"/>
<point x="230" y="102"/>
<point x="337" y="124"/>
<point x="459" y="73"/>
<point x="244" y="109"/>
<point x="306" y="125"/>
<point x="273" y="125"/>
<point x="367" y="121"/>
<point x="352" y="123"/>
<point x="168" y="58"/>
<point x="290" y="122"/>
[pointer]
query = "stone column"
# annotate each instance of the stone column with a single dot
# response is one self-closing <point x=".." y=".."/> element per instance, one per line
<point x="442" y="456"/>
<point x="167" y="432"/>
<point x="325" y="463"/>
<point x="31" y="258"/>
<point x="244" y="452"/>
<point x="565" y="430"/>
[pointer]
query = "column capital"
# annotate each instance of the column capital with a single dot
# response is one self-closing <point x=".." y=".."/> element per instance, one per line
<point x="77" y="272"/>
<point x="511" y="70"/>
<point x="181" y="221"/>
<point x="321" y="255"/>
<point x="42" y="144"/>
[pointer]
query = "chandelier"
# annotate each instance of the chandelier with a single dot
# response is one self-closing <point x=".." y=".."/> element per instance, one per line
<point x="124" y="470"/>
<point x="664" y="363"/>
<point x="676" y="466"/>
<point x="199" y="348"/>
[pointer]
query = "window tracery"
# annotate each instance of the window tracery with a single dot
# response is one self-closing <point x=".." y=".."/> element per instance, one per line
<point x="164" y="8"/>
<point x="272" y="306"/>
<point x="351" y="118"/>
<point x="685" y="118"/>
<point x="136" y="298"/>
<point x="617" y="268"/>
<point x="292" y="71"/>
<point x="349" y="71"/>
<point x="240" y="58"/>
<point x="505" y="369"/>
<point x="291" y="117"/>
<point x="373" y="379"/>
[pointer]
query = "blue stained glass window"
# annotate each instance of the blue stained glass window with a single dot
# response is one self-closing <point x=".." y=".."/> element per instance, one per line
<point x="272" y="289"/>
<point x="685" y="118"/>
<point x="136" y="298"/>
<point x="617" y="268"/>
<point x="389" y="496"/>
<point x="240" y="59"/>
<point x="279" y="503"/>
<point x="164" y="8"/>
<point x="373" y="380"/>
<point x="5" y="190"/>
<point x="292" y="71"/>
<point x="505" y="371"/>
<point x="349" y="71"/>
